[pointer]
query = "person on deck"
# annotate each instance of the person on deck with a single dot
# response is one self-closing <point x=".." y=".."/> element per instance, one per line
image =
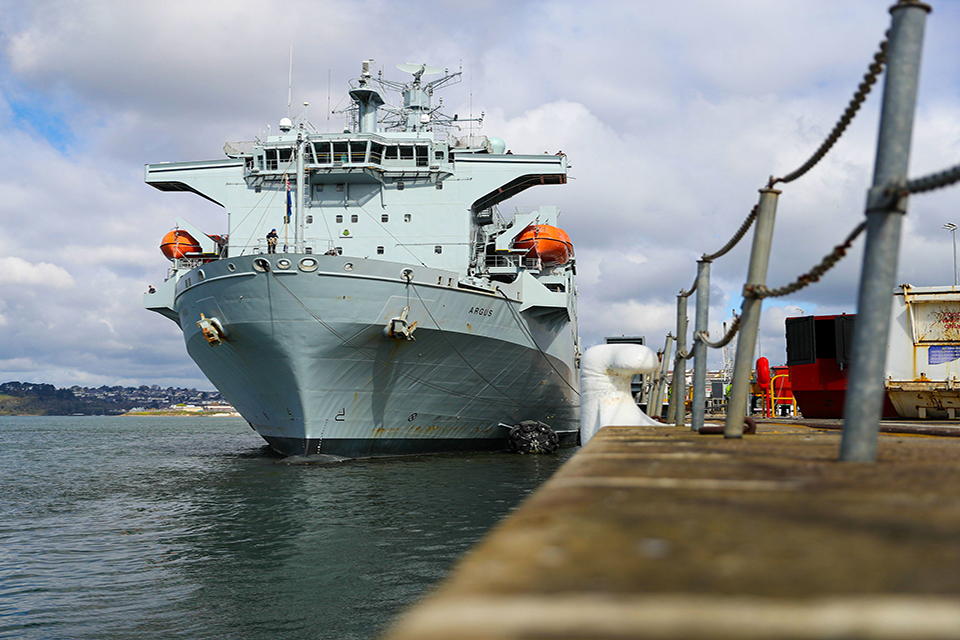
<point x="272" y="241"/>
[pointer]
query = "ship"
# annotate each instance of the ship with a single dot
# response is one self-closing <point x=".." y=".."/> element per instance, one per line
<point x="370" y="297"/>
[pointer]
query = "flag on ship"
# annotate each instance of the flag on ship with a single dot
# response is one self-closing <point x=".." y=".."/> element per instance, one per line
<point x="286" y="220"/>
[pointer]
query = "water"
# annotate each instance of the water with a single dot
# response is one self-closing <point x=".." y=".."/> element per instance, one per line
<point x="184" y="528"/>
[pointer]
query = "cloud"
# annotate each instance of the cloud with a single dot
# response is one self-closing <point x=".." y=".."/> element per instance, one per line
<point x="17" y="271"/>
<point x="672" y="116"/>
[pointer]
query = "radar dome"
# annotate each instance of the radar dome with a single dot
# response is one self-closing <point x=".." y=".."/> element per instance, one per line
<point x="286" y="124"/>
<point x="497" y="146"/>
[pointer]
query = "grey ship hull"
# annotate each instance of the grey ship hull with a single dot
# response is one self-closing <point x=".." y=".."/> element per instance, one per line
<point x="306" y="360"/>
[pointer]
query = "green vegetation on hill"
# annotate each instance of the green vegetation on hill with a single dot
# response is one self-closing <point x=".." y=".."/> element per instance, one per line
<point x="37" y="399"/>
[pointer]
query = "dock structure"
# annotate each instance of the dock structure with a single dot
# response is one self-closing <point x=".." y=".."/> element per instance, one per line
<point x="660" y="532"/>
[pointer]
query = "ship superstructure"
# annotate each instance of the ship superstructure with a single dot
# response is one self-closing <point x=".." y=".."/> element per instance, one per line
<point x="399" y="311"/>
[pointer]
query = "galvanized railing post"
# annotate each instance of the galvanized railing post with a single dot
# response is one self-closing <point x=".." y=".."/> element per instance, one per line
<point x="699" y="348"/>
<point x="885" y="208"/>
<point x="750" y="315"/>
<point x="655" y="402"/>
<point x="677" y="412"/>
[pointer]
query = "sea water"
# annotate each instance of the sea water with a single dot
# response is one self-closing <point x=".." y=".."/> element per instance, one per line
<point x="163" y="527"/>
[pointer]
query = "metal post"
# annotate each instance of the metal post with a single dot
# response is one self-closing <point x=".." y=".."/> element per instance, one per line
<point x="952" y="228"/>
<point x="750" y="314"/>
<point x="677" y="411"/>
<point x="656" y="394"/>
<point x="885" y="206"/>
<point x="699" y="348"/>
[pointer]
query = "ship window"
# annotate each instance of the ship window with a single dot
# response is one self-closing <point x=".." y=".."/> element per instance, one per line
<point x="322" y="152"/>
<point x="309" y="219"/>
<point x="439" y="185"/>
<point x="339" y="187"/>
<point x="423" y="155"/>
<point x="231" y="266"/>
<point x="358" y="151"/>
<point x="341" y="152"/>
<point x="376" y="152"/>
<point x="339" y="218"/>
<point x="385" y="217"/>
<point x="201" y="275"/>
<point x="391" y="153"/>
<point x="438" y="155"/>
<point x="407" y="217"/>
<point x="339" y="250"/>
<point x="379" y="251"/>
<point x="319" y="188"/>
<point x="406" y="153"/>
<point x="438" y="249"/>
<point x="354" y="218"/>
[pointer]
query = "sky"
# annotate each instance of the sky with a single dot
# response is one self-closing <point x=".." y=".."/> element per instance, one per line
<point x="672" y="115"/>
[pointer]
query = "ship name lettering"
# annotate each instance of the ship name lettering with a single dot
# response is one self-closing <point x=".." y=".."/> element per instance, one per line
<point x="480" y="311"/>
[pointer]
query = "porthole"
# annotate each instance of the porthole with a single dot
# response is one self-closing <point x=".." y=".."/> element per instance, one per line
<point x="307" y="264"/>
<point x="348" y="266"/>
<point x="231" y="266"/>
<point x="380" y="250"/>
<point x="406" y="274"/>
<point x="261" y="265"/>
<point x="407" y="217"/>
<point x="400" y="186"/>
<point x="201" y="276"/>
<point x="385" y="217"/>
<point x="354" y="218"/>
<point x="283" y="263"/>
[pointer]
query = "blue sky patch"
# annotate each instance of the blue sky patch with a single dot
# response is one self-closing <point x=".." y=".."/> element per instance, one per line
<point x="30" y="116"/>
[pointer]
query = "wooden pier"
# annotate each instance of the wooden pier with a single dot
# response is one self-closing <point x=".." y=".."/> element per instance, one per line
<point x="659" y="532"/>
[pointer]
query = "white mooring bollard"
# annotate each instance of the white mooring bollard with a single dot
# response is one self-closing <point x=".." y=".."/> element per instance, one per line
<point x="605" y="398"/>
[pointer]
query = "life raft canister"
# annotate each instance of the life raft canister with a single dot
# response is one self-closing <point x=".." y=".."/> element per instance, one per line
<point x="551" y="244"/>
<point x="178" y="244"/>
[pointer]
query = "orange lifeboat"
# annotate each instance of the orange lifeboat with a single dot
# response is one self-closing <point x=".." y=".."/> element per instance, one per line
<point x="179" y="244"/>
<point x="551" y="244"/>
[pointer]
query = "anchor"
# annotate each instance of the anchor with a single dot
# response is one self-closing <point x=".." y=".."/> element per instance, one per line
<point x="399" y="328"/>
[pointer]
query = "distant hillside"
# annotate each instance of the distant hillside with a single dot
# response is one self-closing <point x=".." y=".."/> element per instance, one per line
<point x="38" y="399"/>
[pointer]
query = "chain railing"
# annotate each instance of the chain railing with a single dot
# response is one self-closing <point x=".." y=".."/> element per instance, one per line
<point x="869" y="79"/>
<point x="898" y="50"/>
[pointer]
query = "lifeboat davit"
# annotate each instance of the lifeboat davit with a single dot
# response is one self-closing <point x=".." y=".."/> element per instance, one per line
<point x="179" y="244"/>
<point x="551" y="244"/>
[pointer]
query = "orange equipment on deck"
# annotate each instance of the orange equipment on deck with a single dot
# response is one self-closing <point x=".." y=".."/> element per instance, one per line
<point x="179" y="244"/>
<point x="551" y="244"/>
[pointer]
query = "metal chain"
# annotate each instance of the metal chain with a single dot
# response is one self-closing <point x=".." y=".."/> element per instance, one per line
<point x="761" y="291"/>
<point x="869" y="79"/>
<point x="934" y="180"/>
<point x="701" y="336"/>
<point x="736" y="237"/>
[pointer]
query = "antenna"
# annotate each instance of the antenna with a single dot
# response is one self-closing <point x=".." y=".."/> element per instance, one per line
<point x="329" y="77"/>
<point x="290" y="84"/>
